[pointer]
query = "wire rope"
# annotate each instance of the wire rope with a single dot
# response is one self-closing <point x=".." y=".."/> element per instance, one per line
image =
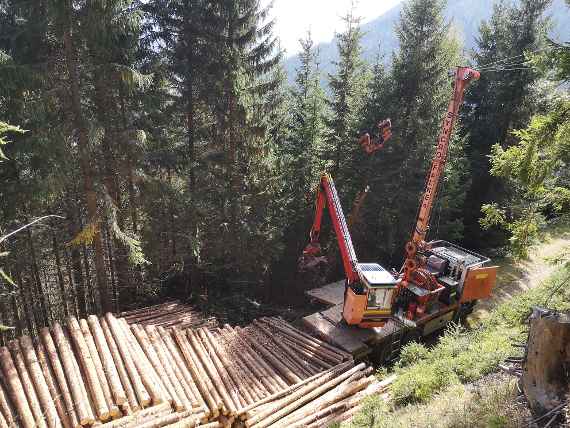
<point x="518" y="56"/>
<point x="512" y="64"/>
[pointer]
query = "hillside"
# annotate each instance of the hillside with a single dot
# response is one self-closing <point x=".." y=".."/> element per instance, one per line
<point x="465" y="17"/>
<point x="174" y="248"/>
<point x="456" y="382"/>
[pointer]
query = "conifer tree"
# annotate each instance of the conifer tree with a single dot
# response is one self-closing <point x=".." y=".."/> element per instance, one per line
<point x="71" y="35"/>
<point x="299" y="163"/>
<point x="347" y="88"/>
<point x="242" y="80"/>
<point x="378" y="91"/>
<point x="35" y="79"/>
<point x="177" y="103"/>
<point x="220" y="61"/>
<point x="111" y="32"/>
<point x="501" y="100"/>
<point x="535" y="169"/>
<point x="536" y="173"/>
<point x="415" y="97"/>
<point x="307" y="122"/>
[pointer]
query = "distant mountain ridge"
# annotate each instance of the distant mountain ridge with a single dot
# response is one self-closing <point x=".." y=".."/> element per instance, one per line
<point x="465" y="16"/>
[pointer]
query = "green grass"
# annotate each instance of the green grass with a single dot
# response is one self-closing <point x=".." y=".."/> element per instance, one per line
<point x="461" y="357"/>
<point x="486" y="404"/>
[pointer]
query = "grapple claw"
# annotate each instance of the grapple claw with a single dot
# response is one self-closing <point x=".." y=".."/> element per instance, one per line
<point x="311" y="259"/>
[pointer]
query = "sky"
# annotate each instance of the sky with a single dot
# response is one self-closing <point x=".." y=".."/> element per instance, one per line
<point x="322" y="17"/>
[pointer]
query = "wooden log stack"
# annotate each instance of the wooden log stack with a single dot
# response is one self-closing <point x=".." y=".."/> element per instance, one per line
<point x="169" y="314"/>
<point x="107" y="372"/>
<point x="332" y="396"/>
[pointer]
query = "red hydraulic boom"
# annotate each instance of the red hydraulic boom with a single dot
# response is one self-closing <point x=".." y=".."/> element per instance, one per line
<point x="369" y="287"/>
<point x="440" y="277"/>
<point x="376" y="142"/>
<point x="327" y="197"/>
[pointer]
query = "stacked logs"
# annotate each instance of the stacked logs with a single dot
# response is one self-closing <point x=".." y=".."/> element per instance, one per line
<point x="169" y="314"/>
<point x="99" y="370"/>
<point x="103" y="371"/>
<point x="332" y="396"/>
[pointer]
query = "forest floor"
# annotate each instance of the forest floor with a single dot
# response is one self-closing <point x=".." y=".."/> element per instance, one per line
<point x="242" y="306"/>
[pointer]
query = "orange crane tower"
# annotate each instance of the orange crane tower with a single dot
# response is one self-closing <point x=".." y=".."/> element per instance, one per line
<point x="463" y="76"/>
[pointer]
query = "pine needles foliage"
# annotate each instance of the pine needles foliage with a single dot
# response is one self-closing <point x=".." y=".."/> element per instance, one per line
<point x="6" y="129"/>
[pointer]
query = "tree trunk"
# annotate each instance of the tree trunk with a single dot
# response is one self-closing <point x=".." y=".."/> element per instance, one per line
<point x="39" y="293"/>
<point x="107" y="114"/>
<point x="60" y="280"/>
<point x="85" y="161"/>
<point x="69" y="272"/>
<point x="545" y="368"/>
<point x="3" y="321"/>
<point x="191" y="132"/>
<point x="132" y="197"/>
<point x="26" y="303"/>
<point x="233" y="179"/>
<point x="111" y="256"/>
<point x="77" y="269"/>
<point x="132" y="194"/>
<point x="172" y="233"/>
<point x="18" y="323"/>
<point x="89" y="290"/>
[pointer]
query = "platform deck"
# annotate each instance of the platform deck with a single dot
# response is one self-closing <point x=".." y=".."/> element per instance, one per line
<point x="328" y="325"/>
<point x="331" y="294"/>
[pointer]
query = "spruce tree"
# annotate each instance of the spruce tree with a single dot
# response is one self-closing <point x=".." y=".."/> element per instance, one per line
<point x="415" y="97"/>
<point x="299" y="164"/>
<point x="221" y="61"/>
<point x="178" y="102"/>
<point x="502" y="100"/>
<point x="36" y="86"/>
<point x="347" y="87"/>
<point x="307" y="123"/>
<point x="369" y="208"/>
<point x="111" y="31"/>
<point x="377" y="106"/>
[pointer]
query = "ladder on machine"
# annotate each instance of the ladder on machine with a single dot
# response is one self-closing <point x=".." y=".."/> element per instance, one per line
<point x="395" y="341"/>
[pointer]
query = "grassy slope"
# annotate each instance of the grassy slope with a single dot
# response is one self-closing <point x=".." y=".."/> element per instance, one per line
<point x="488" y="403"/>
<point x="435" y="387"/>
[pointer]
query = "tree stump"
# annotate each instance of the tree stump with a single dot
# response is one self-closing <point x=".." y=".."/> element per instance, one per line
<point x="547" y="361"/>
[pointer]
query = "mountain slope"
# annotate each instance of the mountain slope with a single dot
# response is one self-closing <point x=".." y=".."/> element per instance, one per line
<point x="465" y="16"/>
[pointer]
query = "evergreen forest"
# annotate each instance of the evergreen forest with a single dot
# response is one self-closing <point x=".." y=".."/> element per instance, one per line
<point x="161" y="151"/>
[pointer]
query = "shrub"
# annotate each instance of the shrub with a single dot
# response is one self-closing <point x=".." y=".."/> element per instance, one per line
<point x="412" y="353"/>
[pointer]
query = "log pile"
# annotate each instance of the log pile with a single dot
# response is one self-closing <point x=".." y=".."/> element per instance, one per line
<point x="85" y="372"/>
<point x="169" y="314"/>
<point x="107" y="372"/>
<point x="328" y="397"/>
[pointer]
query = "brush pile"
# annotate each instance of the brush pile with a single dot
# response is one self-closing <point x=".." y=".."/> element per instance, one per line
<point x="105" y="372"/>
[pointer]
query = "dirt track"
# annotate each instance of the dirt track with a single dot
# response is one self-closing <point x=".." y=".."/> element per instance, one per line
<point x="518" y="276"/>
